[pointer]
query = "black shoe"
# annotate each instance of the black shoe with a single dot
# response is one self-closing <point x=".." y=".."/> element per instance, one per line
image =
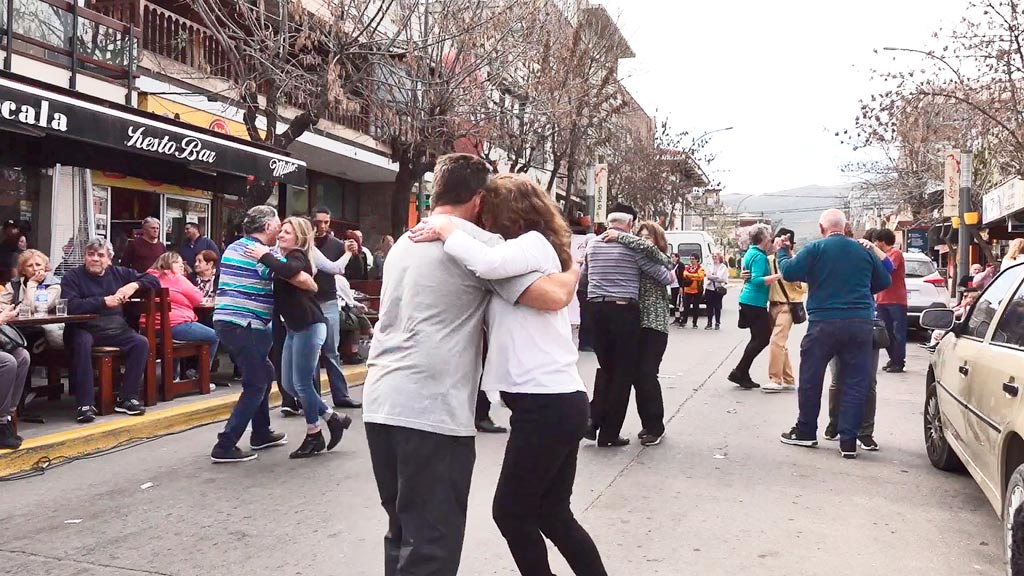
<point x="848" y="448"/>
<point x="586" y="349"/>
<point x="336" y="425"/>
<point x="14" y="434"/>
<point x="651" y="439"/>
<point x="489" y="427"/>
<point x="718" y="326"/>
<point x="353" y="360"/>
<point x="591" y="433"/>
<point x="867" y="443"/>
<point x="694" y="326"/>
<point x="831" y="432"/>
<point x="742" y="381"/>
<point x="620" y="441"/>
<point x="85" y="415"/>
<point x="131" y="407"/>
<point x="642" y="433"/>
<point x="708" y="327"/>
<point x="236" y="375"/>
<point x="268" y="441"/>
<point x="291" y="411"/>
<point x="312" y="445"/>
<point x="347" y="403"/>
<point x="230" y="455"/>
<point x="894" y="369"/>
<point x="8" y="440"/>
<point x="793" y="438"/>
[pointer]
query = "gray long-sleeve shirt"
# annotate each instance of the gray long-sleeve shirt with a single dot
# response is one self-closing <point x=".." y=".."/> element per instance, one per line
<point x="613" y="271"/>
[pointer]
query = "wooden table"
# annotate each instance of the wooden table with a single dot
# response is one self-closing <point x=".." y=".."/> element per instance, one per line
<point x="52" y="319"/>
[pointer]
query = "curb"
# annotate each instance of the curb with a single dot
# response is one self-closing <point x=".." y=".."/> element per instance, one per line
<point x="77" y="442"/>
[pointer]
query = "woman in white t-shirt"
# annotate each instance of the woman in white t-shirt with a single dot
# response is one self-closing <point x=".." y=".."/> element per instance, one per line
<point x="531" y="361"/>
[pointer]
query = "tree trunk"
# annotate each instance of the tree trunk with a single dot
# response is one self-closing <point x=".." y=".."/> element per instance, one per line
<point x="405" y="180"/>
<point x="570" y="184"/>
<point x="258" y="192"/>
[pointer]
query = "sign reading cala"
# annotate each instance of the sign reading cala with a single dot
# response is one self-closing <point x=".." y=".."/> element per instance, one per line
<point x="28" y="114"/>
<point x="187" y="148"/>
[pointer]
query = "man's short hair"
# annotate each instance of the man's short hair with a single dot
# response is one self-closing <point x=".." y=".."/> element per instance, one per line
<point x="886" y="236"/>
<point x="457" y="179"/>
<point x="150" y="220"/>
<point x="322" y="210"/>
<point x="96" y="244"/>
<point x="257" y="219"/>
<point x="870" y="234"/>
<point x="193" y="225"/>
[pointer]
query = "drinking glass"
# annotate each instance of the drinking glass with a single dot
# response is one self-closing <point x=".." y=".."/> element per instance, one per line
<point x="24" y="311"/>
<point x="62" y="307"/>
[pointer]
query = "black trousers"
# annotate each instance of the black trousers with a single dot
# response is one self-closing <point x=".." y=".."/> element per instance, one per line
<point x="713" y="300"/>
<point x="586" y="322"/>
<point x="423" y="480"/>
<point x="617" y="345"/>
<point x="533" y="493"/>
<point x="649" y="403"/>
<point x="759" y="321"/>
<point x="483" y="407"/>
<point x="691" y="303"/>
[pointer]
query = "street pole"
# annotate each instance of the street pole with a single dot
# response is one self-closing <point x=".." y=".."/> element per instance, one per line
<point x="964" y="241"/>
<point x="420" y="196"/>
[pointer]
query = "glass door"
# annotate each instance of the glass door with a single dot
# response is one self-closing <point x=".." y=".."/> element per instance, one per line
<point x="179" y="211"/>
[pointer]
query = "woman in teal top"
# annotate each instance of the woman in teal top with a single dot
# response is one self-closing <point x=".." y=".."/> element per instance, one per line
<point x="754" y="303"/>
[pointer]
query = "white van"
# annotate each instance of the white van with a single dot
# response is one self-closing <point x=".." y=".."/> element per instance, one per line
<point x="689" y="242"/>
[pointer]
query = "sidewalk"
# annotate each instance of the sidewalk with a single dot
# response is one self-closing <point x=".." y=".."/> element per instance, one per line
<point x="62" y="439"/>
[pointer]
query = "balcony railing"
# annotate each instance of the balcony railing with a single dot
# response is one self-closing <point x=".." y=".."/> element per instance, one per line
<point x="69" y="35"/>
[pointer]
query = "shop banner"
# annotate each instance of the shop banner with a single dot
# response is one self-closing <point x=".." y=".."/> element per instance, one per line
<point x="29" y="110"/>
<point x="951" y="185"/>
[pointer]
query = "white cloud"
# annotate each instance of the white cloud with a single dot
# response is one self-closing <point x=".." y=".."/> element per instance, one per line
<point x="787" y="75"/>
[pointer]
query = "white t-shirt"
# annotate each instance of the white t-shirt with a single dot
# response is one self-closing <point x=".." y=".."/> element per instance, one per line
<point x="528" y="351"/>
<point x="426" y="353"/>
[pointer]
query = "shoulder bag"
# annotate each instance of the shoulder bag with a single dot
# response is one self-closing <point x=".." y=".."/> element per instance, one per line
<point x="796" y="309"/>
<point x="11" y="338"/>
<point x="879" y="335"/>
<point x="720" y="288"/>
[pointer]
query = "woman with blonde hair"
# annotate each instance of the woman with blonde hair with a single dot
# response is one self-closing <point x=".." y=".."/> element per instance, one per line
<point x="32" y="276"/>
<point x="307" y="330"/>
<point x="655" y="305"/>
<point x="1015" y="255"/>
<point x="170" y="270"/>
<point x="531" y="360"/>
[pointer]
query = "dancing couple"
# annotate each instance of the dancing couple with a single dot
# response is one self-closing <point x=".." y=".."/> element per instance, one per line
<point x="446" y="280"/>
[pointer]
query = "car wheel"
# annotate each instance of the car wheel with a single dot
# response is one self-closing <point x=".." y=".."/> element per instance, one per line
<point x="940" y="453"/>
<point x="1013" y="523"/>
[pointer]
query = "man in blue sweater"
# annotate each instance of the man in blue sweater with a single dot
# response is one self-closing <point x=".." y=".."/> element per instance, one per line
<point x="842" y="278"/>
<point x="99" y="288"/>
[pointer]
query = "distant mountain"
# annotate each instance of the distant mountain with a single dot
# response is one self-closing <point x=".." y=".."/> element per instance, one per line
<point x="797" y="209"/>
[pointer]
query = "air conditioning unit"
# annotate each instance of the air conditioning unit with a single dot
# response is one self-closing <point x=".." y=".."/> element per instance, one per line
<point x="1015" y="223"/>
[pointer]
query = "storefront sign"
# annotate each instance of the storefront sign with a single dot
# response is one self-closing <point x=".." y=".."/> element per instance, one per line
<point x="122" y="129"/>
<point x="1003" y="200"/>
<point x="917" y="240"/>
<point x="196" y="117"/>
<point x="600" y="193"/>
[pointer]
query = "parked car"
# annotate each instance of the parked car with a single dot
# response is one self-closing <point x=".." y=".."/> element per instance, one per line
<point x="973" y="412"/>
<point x="925" y="287"/>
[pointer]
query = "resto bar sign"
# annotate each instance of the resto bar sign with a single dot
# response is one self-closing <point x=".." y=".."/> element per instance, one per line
<point x="121" y="128"/>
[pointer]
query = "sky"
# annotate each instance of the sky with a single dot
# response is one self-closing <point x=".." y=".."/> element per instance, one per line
<point x="786" y="75"/>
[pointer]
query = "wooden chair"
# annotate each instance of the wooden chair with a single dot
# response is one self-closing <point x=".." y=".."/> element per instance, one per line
<point x="372" y="289"/>
<point x="171" y="350"/>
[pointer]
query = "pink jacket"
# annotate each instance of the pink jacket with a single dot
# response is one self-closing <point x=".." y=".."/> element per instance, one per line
<point x="184" y="298"/>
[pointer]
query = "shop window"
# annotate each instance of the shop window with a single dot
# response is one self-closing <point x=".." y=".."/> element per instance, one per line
<point x="178" y="212"/>
<point x="19" y="201"/>
<point x="128" y="208"/>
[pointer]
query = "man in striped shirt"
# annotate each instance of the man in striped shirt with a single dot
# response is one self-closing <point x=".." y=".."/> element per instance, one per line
<point x="245" y="306"/>
<point x="613" y="293"/>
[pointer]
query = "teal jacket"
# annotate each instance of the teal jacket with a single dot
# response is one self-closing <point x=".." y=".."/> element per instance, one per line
<point x="755" y="291"/>
<point x="841" y="277"/>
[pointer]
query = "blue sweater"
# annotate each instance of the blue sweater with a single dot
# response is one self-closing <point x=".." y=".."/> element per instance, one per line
<point x="755" y="291"/>
<point x="85" y="292"/>
<point x="841" y="277"/>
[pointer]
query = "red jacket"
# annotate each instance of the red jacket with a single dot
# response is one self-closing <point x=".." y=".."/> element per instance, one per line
<point x="184" y="298"/>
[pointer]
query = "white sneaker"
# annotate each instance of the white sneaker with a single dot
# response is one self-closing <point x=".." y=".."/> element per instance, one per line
<point x="789" y="387"/>
<point x="772" y="388"/>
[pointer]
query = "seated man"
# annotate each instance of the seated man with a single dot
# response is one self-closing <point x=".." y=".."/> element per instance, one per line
<point x="96" y="287"/>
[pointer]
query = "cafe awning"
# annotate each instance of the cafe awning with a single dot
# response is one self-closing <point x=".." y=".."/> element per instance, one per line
<point x="42" y="111"/>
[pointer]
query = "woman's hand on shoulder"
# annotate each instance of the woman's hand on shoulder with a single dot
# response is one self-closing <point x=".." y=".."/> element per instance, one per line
<point x="610" y="235"/>
<point x="433" y="229"/>
<point x="257" y="251"/>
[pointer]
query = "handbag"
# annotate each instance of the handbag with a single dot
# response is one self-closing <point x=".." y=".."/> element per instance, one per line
<point x="11" y="338"/>
<point x="797" y="311"/>
<point x="879" y="335"/>
<point x="721" y="290"/>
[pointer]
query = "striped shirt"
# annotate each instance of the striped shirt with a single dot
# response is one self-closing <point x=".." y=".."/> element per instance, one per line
<point x="246" y="292"/>
<point x="613" y="270"/>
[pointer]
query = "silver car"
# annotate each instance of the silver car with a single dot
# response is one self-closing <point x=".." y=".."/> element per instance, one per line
<point x="925" y="287"/>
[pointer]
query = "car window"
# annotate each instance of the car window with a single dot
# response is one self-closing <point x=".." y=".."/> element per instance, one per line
<point x="919" y="268"/>
<point x="685" y="250"/>
<point x="985" y="309"/>
<point x="1010" y="328"/>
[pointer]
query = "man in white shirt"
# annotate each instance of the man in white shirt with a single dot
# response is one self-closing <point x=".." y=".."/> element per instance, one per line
<point x="424" y="370"/>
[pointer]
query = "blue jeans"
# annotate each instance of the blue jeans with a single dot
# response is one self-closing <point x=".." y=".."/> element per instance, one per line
<point x="895" y="318"/>
<point x="300" y="369"/>
<point x="339" y="386"/>
<point x="251" y="346"/>
<point x="196" y="332"/>
<point x="850" y="341"/>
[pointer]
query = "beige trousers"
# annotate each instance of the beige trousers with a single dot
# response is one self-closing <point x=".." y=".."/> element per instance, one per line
<point x="780" y="371"/>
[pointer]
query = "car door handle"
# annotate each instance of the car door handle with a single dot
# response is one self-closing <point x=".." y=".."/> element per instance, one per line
<point x="964" y="370"/>
<point x="1011" y="389"/>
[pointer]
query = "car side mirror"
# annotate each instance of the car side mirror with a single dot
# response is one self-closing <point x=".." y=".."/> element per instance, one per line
<point x="938" y="319"/>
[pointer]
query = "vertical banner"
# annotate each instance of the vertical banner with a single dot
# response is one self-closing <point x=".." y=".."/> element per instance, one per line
<point x="578" y="247"/>
<point x="951" y="185"/>
<point x="600" y="193"/>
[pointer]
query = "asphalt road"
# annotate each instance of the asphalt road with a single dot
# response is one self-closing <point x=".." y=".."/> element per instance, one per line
<point x="720" y="495"/>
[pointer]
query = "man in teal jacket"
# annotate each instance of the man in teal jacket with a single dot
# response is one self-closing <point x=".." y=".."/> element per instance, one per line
<point x="842" y="279"/>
